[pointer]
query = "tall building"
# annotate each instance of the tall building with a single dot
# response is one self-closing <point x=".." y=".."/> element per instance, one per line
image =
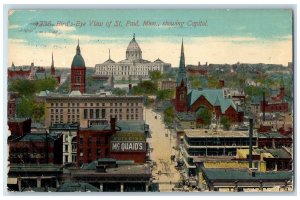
<point x="133" y="67"/>
<point x="91" y="109"/>
<point x="78" y="72"/>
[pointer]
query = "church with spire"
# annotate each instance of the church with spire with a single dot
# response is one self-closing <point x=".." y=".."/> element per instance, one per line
<point x="78" y="72"/>
<point x="133" y="67"/>
<point x="53" y="72"/>
<point x="196" y="100"/>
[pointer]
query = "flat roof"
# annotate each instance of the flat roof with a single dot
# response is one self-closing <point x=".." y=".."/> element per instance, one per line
<point x="121" y="170"/>
<point x="245" y="174"/>
<point x="203" y="133"/>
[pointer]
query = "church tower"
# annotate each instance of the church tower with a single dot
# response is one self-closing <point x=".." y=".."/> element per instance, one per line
<point x="181" y="88"/>
<point x="78" y="72"/>
<point x="52" y="67"/>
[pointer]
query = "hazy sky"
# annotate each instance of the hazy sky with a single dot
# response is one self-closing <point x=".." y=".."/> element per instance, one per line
<point x="221" y="36"/>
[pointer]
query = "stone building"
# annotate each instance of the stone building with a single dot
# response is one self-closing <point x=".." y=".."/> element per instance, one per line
<point x="91" y="109"/>
<point x="134" y="67"/>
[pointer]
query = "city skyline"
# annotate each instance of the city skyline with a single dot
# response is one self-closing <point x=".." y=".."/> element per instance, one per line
<point x="217" y="36"/>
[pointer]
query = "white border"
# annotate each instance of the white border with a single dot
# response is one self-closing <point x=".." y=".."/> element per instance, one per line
<point x="83" y="4"/>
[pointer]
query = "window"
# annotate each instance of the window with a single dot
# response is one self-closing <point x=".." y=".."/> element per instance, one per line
<point x="52" y="111"/>
<point x="77" y="79"/>
<point x="92" y="104"/>
<point x="97" y="113"/>
<point x="66" y="158"/>
<point x="61" y="110"/>
<point x="77" y="104"/>
<point x="77" y="110"/>
<point x="61" y="104"/>
<point x="103" y="104"/>
<point x="73" y="110"/>
<point x="103" y="113"/>
<point x="97" y="104"/>
<point x="66" y="148"/>
<point x="69" y="111"/>
<point x="91" y="113"/>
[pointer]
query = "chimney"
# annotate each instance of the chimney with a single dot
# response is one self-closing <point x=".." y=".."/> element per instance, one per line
<point x="113" y="124"/>
<point x="221" y="83"/>
<point x="281" y="92"/>
<point x="199" y="64"/>
<point x="129" y="88"/>
<point x="264" y="107"/>
<point x="206" y="64"/>
<point x="250" y="141"/>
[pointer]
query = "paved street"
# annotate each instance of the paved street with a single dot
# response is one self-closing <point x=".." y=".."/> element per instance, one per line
<point x="162" y="145"/>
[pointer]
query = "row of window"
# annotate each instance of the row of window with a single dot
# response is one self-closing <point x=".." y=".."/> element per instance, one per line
<point x="127" y="68"/>
<point x="94" y="104"/>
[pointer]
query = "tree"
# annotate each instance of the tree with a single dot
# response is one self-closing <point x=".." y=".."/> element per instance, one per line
<point x="145" y="88"/>
<point x="225" y="121"/>
<point x="195" y="83"/>
<point x="38" y="111"/>
<point x="119" y="91"/>
<point x="169" y="115"/>
<point x="25" y="106"/>
<point x="205" y="116"/>
<point x="155" y="76"/>
<point x="165" y="94"/>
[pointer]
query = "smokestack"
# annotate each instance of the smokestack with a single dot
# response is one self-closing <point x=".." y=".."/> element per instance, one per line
<point x="113" y="124"/>
<point x="264" y="106"/>
<point x="250" y="141"/>
<point x="199" y="64"/>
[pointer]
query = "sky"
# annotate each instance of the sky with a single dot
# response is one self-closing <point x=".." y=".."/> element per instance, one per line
<point x="211" y="35"/>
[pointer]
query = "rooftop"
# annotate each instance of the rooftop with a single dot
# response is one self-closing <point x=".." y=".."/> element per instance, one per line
<point x="273" y="135"/>
<point x="186" y="116"/>
<point x="201" y="133"/>
<point x="122" y="170"/>
<point x="77" y="187"/>
<point x="245" y="174"/>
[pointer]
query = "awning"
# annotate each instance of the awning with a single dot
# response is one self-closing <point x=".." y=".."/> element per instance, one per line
<point x="12" y="180"/>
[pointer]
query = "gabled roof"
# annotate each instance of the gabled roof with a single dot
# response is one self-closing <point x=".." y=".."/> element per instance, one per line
<point x="213" y="96"/>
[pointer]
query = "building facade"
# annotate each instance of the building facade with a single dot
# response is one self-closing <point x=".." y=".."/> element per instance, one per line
<point x="69" y="144"/>
<point x="209" y="143"/>
<point x="134" y="67"/>
<point x="87" y="109"/>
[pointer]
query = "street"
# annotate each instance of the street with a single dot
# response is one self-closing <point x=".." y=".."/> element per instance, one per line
<point x="162" y="143"/>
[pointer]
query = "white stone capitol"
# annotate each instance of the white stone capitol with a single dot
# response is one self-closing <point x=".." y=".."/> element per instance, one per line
<point x="134" y="67"/>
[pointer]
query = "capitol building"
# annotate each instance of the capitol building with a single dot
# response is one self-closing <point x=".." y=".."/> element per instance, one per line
<point x="134" y="67"/>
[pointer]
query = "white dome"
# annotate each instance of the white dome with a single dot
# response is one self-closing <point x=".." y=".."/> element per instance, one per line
<point x="133" y="51"/>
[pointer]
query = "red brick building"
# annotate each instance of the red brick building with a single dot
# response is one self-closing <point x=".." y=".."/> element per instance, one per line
<point x="265" y="106"/>
<point x="78" y="71"/>
<point x="274" y="140"/>
<point x="38" y="148"/>
<point x="197" y="70"/>
<point x="110" y="141"/>
<point x="19" y="126"/>
<point x="195" y="101"/>
<point x="18" y="72"/>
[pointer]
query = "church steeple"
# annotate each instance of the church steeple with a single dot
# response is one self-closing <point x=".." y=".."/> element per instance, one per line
<point x="181" y="76"/>
<point x="78" y="48"/>
<point x="52" y="66"/>
<point x="182" y="59"/>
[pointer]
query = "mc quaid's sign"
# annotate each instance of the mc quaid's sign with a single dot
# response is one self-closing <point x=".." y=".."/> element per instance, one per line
<point x="120" y="146"/>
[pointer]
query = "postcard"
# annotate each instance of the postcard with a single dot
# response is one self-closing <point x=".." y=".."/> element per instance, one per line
<point x="150" y="100"/>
